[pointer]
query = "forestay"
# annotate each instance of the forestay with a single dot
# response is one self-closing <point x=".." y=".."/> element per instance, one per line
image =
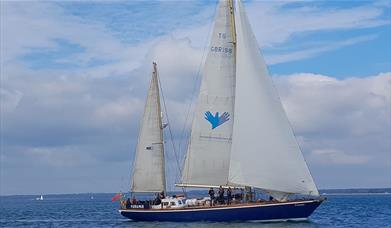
<point x="148" y="166"/>
<point x="208" y="153"/>
<point x="264" y="153"/>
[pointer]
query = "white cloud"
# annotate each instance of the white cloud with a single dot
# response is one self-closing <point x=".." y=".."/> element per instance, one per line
<point x="343" y="126"/>
<point x="178" y="64"/>
<point x="273" y="25"/>
<point x="357" y="105"/>
<point x="317" y="50"/>
<point x="9" y="99"/>
<point x="120" y="111"/>
<point x="27" y="27"/>
<point x="330" y="157"/>
<point x="59" y="157"/>
<point x="199" y="35"/>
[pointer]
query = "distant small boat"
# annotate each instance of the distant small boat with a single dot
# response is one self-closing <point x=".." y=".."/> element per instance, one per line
<point x="92" y="197"/>
<point x="39" y="198"/>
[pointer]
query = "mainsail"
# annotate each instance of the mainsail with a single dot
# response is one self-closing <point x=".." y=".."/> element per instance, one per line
<point x="207" y="159"/>
<point x="265" y="153"/>
<point x="148" y="168"/>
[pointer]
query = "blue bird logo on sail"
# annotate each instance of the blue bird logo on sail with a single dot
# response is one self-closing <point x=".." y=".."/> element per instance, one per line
<point x="216" y="120"/>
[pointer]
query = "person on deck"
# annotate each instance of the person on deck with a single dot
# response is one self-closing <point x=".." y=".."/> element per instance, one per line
<point x="162" y="195"/>
<point x="134" y="200"/>
<point x="221" y="195"/>
<point x="157" y="200"/>
<point x="212" y="196"/>
<point x="128" y="204"/>
<point x="123" y="204"/>
<point x="229" y="195"/>
<point x="249" y="194"/>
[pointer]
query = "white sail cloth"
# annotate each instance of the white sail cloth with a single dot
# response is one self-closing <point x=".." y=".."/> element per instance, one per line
<point x="208" y="153"/>
<point x="256" y="148"/>
<point x="148" y="168"/>
<point x="265" y="153"/>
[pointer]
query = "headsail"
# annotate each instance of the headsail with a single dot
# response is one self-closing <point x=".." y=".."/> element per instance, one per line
<point x="207" y="159"/>
<point x="148" y="166"/>
<point x="265" y="153"/>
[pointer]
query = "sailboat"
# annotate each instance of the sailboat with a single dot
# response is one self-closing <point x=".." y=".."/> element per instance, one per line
<point x="240" y="139"/>
<point x="39" y="198"/>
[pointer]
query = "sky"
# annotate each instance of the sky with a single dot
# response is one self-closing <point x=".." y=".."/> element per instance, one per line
<point x="74" y="77"/>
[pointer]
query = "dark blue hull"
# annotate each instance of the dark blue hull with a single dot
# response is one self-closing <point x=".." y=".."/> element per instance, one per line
<point x="261" y="212"/>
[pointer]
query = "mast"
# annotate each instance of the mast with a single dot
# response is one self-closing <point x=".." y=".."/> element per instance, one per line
<point x="233" y="28"/>
<point x="163" y="169"/>
<point x="234" y="40"/>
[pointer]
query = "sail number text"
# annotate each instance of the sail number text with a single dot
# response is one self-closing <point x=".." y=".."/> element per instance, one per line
<point x="227" y="50"/>
<point x="221" y="49"/>
<point x="222" y="35"/>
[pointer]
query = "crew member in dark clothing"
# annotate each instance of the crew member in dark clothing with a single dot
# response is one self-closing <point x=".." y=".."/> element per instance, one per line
<point x="157" y="200"/>
<point x="229" y="195"/>
<point x="249" y="194"/>
<point x="221" y="195"/>
<point x="134" y="200"/>
<point x="128" y="204"/>
<point x="162" y="195"/>
<point x="212" y="196"/>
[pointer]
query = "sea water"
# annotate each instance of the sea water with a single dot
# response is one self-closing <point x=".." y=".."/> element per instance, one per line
<point x="97" y="210"/>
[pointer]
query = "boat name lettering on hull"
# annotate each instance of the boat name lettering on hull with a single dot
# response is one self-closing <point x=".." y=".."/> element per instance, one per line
<point x="137" y="206"/>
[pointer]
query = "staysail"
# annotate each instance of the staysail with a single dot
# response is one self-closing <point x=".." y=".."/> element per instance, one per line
<point x="208" y="153"/>
<point x="148" y="166"/>
<point x="265" y="153"/>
